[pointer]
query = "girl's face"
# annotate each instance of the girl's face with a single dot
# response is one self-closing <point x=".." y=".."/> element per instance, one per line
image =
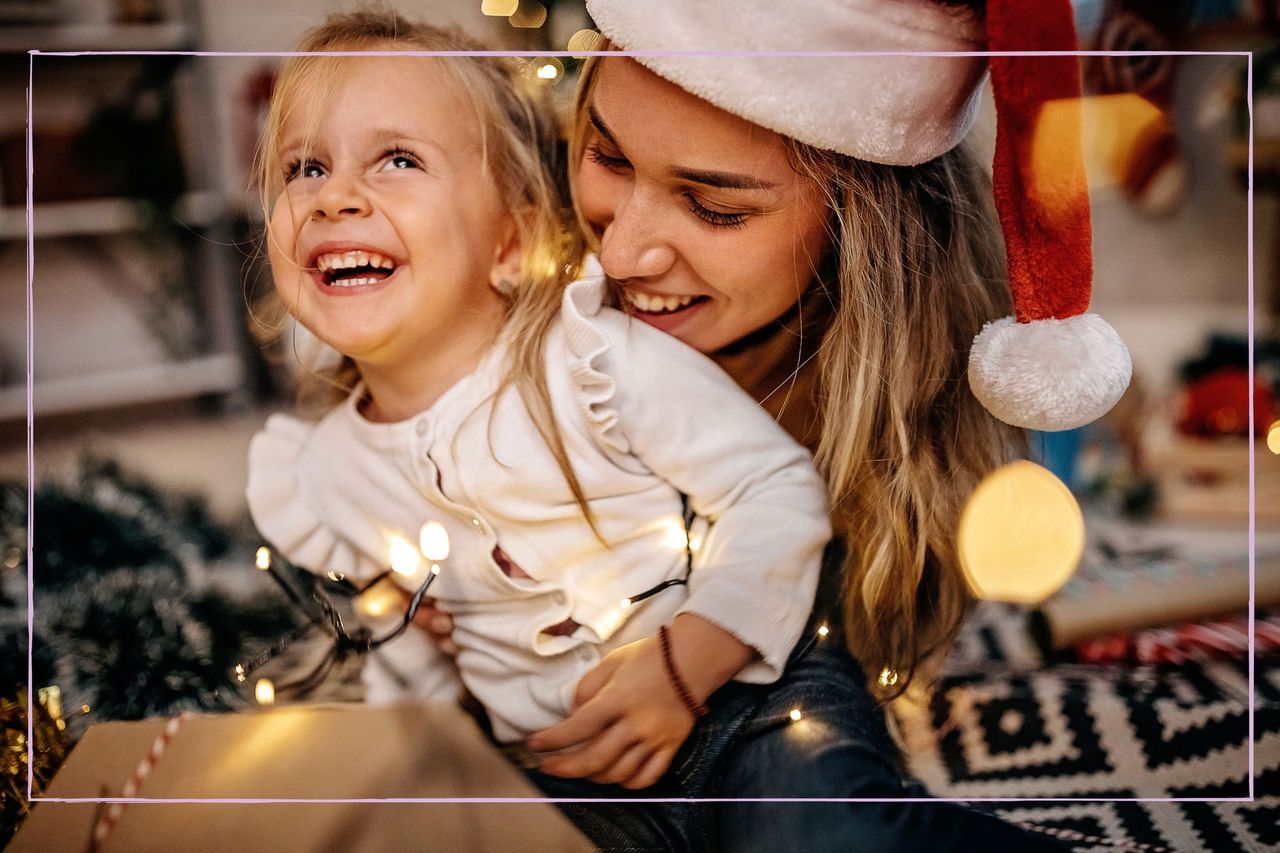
<point x="387" y="233"/>
<point x="700" y="217"/>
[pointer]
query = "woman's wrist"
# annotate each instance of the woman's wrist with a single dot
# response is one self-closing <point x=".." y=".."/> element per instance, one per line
<point x="705" y="655"/>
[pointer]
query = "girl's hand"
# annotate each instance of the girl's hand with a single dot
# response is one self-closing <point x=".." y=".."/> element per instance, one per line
<point x="627" y="720"/>
<point x="626" y="724"/>
<point x="437" y="624"/>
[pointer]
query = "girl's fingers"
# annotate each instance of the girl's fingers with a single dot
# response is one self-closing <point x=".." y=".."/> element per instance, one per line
<point x="652" y="770"/>
<point x="441" y="624"/>
<point x="626" y="766"/>
<point x="426" y="609"/>
<point x="431" y="618"/>
<point x="595" y="756"/>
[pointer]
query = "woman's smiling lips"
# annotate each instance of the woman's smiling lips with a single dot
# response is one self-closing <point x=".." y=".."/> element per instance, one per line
<point x="663" y="311"/>
<point x="348" y="269"/>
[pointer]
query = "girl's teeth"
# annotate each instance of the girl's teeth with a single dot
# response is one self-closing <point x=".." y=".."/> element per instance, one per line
<point x="346" y="260"/>
<point x="353" y="282"/>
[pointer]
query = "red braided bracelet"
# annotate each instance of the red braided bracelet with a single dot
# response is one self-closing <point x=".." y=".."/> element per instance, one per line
<point x="695" y="707"/>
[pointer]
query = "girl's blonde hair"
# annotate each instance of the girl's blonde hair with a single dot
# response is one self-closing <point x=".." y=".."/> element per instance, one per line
<point x="917" y="268"/>
<point x="522" y="155"/>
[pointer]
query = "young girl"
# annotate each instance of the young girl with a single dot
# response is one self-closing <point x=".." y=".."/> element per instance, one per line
<point x="530" y="442"/>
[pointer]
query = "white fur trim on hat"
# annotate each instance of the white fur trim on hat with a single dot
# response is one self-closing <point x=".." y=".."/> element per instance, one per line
<point x="1050" y="374"/>
<point x="897" y="110"/>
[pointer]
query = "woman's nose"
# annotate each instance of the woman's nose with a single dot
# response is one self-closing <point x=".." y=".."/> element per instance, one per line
<point x="633" y="245"/>
<point x="340" y="195"/>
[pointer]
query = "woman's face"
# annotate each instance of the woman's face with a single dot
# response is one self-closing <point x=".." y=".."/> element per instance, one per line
<point x="700" y="217"/>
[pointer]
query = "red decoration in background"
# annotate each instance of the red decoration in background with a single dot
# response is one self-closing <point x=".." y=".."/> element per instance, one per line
<point x="1218" y="639"/>
<point x="1218" y="404"/>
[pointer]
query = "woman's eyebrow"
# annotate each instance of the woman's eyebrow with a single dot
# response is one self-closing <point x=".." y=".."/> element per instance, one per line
<point x="600" y="126"/>
<point x="722" y="180"/>
<point x="707" y="177"/>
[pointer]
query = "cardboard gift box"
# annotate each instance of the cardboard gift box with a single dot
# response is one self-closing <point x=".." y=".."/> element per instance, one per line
<point x="313" y="752"/>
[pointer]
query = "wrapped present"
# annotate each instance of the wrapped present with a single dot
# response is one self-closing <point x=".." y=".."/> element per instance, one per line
<point x="316" y="756"/>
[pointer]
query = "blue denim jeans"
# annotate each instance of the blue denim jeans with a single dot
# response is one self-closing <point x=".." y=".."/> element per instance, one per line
<point x="748" y="747"/>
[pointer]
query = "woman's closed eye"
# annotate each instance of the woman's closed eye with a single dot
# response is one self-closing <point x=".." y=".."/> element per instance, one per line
<point x="601" y="157"/>
<point x="713" y="217"/>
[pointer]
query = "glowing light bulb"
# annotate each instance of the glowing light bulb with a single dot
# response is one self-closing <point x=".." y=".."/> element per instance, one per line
<point x="264" y="691"/>
<point x="499" y="8"/>
<point x="84" y="709"/>
<point x="380" y="600"/>
<point x="795" y="715"/>
<point x="823" y="631"/>
<point x="433" y="540"/>
<point x="626" y="602"/>
<point x="548" y="72"/>
<point x="1021" y="534"/>
<point x="675" y="535"/>
<point x="404" y="557"/>
<point x="263" y="559"/>
<point x="435" y="568"/>
<point x="1273" y="440"/>
<point x="529" y="15"/>
<point x="583" y="41"/>
<point x="240" y="672"/>
<point x="888" y="677"/>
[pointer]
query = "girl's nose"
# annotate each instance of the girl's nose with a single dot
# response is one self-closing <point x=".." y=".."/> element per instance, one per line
<point x="633" y="245"/>
<point x="340" y="196"/>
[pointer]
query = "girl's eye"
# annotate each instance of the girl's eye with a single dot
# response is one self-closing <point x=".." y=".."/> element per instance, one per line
<point x="301" y="169"/>
<point x="597" y="155"/>
<point x="398" y="160"/>
<point x="717" y="218"/>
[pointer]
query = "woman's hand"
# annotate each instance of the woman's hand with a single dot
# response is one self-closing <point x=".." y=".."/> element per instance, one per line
<point x="627" y="720"/>
<point x="437" y="624"/>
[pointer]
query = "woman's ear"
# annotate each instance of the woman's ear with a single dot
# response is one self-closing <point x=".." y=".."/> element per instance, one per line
<point x="505" y="274"/>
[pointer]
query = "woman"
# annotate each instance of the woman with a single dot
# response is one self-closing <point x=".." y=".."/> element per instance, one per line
<point x="844" y="295"/>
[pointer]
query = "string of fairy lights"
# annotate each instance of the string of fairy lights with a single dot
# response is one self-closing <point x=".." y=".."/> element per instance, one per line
<point x="419" y="566"/>
<point x="1021" y="536"/>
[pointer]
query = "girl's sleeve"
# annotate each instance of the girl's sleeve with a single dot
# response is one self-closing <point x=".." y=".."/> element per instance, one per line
<point x="757" y="567"/>
<point x="281" y="502"/>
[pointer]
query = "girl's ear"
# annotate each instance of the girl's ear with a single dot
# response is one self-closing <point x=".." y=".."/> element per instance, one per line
<point x="504" y="275"/>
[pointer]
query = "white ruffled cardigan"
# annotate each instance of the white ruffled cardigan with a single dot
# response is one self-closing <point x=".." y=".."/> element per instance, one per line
<point x="644" y="418"/>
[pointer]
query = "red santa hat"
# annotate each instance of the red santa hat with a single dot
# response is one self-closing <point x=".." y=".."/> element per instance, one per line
<point x="1050" y="366"/>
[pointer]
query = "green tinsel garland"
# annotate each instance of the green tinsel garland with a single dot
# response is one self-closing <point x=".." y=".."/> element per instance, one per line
<point x="128" y="619"/>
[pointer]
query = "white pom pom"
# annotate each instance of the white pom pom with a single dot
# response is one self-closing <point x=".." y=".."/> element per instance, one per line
<point x="1050" y="374"/>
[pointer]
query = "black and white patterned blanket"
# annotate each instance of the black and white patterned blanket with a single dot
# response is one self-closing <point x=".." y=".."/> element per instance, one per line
<point x="1003" y="724"/>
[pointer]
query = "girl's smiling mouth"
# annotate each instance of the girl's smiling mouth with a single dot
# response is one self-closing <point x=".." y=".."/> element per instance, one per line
<point x="342" y="267"/>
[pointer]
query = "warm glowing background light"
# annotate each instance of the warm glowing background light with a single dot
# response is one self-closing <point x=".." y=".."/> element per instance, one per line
<point x="1021" y="534"/>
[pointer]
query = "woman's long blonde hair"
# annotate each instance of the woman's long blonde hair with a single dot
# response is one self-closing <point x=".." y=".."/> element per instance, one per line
<point x="522" y="154"/>
<point x="917" y="268"/>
